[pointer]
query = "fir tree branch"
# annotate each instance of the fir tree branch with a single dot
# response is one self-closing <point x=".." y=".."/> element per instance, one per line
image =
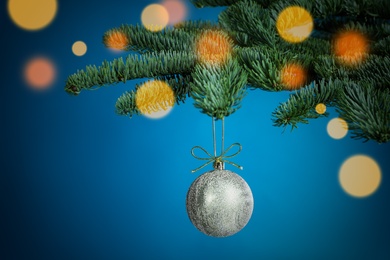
<point x="374" y="67"/>
<point x="325" y="66"/>
<point x="126" y="104"/>
<point x="118" y="70"/>
<point x="360" y="92"/>
<point x="263" y="65"/>
<point x="212" y="3"/>
<point x="180" y="85"/>
<point x="381" y="47"/>
<point x="252" y="20"/>
<point x="301" y="105"/>
<point x="363" y="8"/>
<point x="312" y="46"/>
<point x="215" y="3"/>
<point x="196" y="26"/>
<point x="375" y="28"/>
<point x="142" y="40"/>
<point x="328" y="8"/>
<point x="218" y="90"/>
<point x="366" y="109"/>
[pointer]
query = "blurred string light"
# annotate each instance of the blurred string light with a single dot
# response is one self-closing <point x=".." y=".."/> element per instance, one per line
<point x="337" y="128"/>
<point x="177" y="10"/>
<point x="32" y="15"/>
<point x="294" y="24"/>
<point x="350" y="47"/>
<point x="155" y="17"/>
<point x="39" y="73"/>
<point x="155" y="99"/>
<point x="213" y="47"/>
<point x="360" y="176"/>
<point x="79" y="48"/>
<point x="321" y="108"/>
<point x="293" y="76"/>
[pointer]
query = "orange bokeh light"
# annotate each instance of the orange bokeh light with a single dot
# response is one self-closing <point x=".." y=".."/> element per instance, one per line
<point x="116" y="40"/>
<point x="293" y="76"/>
<point x="39" y="73"/>
<point x="350" y="47"/>
<point x="213" y="47"/>
<point x="32" y="15"/>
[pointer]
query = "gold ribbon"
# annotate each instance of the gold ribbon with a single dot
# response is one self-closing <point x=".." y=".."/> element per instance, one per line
<point x="220" y="159"/>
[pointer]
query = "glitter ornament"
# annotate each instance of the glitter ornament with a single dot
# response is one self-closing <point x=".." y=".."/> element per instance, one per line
<point x="219" y="203"/>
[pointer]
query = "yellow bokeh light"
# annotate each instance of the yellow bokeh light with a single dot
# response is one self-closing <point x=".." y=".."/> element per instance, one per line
<point x="32" y="15"/>
<point x="176" y="9"/>
<point x="293" y="76"/>
<point x="294" y="24"/>
<point x="158" y="114"/>
<point x="350" y="47"/>
<point x="79" y="48"/>
<point x="337" y="128"/>
<point x="155" y="99"/>
<point x="213" y="47"/>
<point x="39" y="73"/>
<point x="155" y="17"/>
<point x="320" y="108"/>
<point x="360" y="176"/>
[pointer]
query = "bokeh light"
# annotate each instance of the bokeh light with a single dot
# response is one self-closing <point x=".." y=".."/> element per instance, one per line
<point x="39" y="73"/>
<point x="116" y="40"/>
<point x="155" y="99"/>
<point x="337" y="128"/>
<point x="350" y="47"/>
<point x="360" y="176"/>
<point x="294" y="24"/>
<point x="158" y="114"/>
<point x="79" y="48"/>
<point x="32" y="15"/>
<point x="293" y="76"/>
<point x="155" y="17"/>
<point x="177" y="11"/>
<point x="213" y="47"/>
<point x="321" y="108"/>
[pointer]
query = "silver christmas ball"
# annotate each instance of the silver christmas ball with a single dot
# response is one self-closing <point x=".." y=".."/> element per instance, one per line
<point x="219" y="203"/>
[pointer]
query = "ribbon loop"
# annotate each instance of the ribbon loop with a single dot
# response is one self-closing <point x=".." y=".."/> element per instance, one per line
<point x="221" y="158"/>
<point x="204" y="150"/>
<point x="223" y="154"/>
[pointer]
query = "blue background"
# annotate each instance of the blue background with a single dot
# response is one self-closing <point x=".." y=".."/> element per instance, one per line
<point x="80" y="182"/>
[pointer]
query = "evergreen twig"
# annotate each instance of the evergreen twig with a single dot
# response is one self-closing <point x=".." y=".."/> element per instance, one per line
<point x="301" y="105"/>
<point x="218" y="90"/>
<point x="145" y="66"/>
<point x="142" y="40"/>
